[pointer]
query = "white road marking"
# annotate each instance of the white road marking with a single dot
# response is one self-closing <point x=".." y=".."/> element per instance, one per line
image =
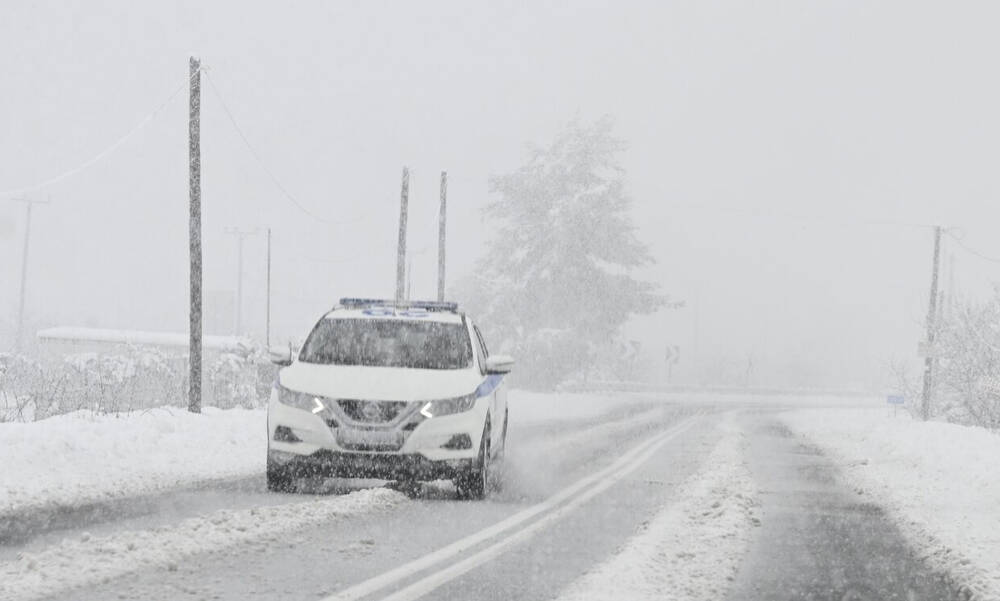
<point x="590" y="485"/>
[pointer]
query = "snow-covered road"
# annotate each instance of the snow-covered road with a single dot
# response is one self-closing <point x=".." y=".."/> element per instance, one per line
<point x="636" y="496"/>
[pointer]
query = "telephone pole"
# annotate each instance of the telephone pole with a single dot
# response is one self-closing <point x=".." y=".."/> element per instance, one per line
<point x="240" y="235"/>
<point x="19" y="341"/>
<point x="401" y="249"/>
<point x="929" y="360"/>
<point x="194" y="234"/>
<point x="441" y="233"/>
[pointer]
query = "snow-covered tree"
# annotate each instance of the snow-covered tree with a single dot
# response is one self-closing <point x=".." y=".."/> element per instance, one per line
<point x="968" y="351"/>
<point x="555" y="285"/>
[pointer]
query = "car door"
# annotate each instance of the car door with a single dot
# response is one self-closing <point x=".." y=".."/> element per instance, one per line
<point x="498" y="397"/>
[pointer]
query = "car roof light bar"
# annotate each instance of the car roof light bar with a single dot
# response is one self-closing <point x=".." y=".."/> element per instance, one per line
<point x="408" y="304"/>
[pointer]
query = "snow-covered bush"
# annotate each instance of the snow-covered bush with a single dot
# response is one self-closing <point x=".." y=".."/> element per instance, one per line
<point x="159" y="376"/>
<point x="140" y="378"/>
<point x="133" y="378"/>
<point x="238" y="380"/>
<point x="968" y="359"/>
<point x="29" y="390"/>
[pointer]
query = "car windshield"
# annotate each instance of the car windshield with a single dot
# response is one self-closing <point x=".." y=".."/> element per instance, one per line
<point x="389" y="343"/>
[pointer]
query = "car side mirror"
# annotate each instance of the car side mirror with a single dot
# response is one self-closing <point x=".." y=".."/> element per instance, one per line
<point x="499" y="364"/>
<point x="280" y="355"/>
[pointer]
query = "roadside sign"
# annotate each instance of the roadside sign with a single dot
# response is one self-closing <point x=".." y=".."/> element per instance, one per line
<point x="895" y="401"/>
<point x="673" y="354"/>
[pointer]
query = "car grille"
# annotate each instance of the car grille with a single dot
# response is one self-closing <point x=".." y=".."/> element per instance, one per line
<point x="371" y="412"/>
<point x="370" y="440"/>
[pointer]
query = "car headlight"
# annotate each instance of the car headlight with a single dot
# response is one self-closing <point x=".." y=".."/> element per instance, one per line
<point x="448" y="406"/>
<point x="300" y="400"/>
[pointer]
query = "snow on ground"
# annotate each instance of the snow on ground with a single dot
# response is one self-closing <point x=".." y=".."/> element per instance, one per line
<point x="692" y="548"/>
<point x="939" y="482"/>
<point x="81" y="457"/>
<point x="90" y="560"/>
<point x="84" y="458"/>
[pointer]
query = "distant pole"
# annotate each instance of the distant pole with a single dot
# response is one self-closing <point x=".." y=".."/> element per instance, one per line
<point x="19" y="341"/>
<point x="401" y="249"/>
<point x="952" y="293"/>
<point x="194" y="234"/>
<point x="267" y="319"/>
<point x="441" y="233"/>
<point x="931" y="328"/>
<point x="240" y="235"/>
<point x="239" y="284"/>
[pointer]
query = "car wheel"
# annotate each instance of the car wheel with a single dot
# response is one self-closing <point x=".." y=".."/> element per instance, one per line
<point x="474" y="483"/>
<point x="498" y="467"/>
<point x="279" y="478"/>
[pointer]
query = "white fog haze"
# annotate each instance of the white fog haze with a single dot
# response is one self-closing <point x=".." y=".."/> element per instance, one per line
<point x="351" y="300"/>
<point x="778" y="158"/>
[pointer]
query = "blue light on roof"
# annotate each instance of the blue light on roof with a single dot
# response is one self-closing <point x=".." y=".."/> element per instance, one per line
<point x="407" y="304"/>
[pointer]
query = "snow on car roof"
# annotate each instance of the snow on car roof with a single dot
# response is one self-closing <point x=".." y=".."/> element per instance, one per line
<point x="412" y="313"/>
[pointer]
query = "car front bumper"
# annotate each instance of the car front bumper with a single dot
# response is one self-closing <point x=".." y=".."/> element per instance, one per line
<point x="425" y="454"/>
<point x="383" y="466"/>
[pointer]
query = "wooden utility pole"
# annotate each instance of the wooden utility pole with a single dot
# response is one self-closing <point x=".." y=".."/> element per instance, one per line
<point x="194" y="234"/>
<point x="19" y="341"/>
<point x="930" y="360"/>
<point x="441" y="233"/>
<point x="267" y="319"/>
<point x="401" y="249"/>
<point x="240" y="235"/>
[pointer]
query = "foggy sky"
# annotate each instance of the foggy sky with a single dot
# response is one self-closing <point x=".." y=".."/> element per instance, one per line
<point x="780" y="156"/>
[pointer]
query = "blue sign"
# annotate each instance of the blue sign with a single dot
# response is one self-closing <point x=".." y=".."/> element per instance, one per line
<point x="895" y="399"/>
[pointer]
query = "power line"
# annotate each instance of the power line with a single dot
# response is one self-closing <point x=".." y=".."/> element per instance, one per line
<point x="969" y="249"/>
<point x="107" y="151"/>
<point x="267" y="170"/>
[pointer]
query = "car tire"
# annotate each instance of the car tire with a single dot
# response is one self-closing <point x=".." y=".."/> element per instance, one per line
<point x="279" y="478"/>
<point x="503" y="438"/>
<point x="475" y="483"/>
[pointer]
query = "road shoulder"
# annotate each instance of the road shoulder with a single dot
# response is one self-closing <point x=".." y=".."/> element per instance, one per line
<point x="818" y="539"/>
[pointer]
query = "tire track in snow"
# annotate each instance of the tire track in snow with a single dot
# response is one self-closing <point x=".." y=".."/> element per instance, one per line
<point x="692" y="549"/>
<point x="91" y="560"/>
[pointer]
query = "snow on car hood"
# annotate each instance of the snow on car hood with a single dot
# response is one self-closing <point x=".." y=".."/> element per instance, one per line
<point x="379" y="383"/>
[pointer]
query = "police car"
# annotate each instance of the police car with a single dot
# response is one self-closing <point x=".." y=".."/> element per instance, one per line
<point x="402" y="391"/>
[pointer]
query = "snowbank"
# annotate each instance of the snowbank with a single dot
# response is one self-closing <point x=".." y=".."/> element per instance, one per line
<point x="90" y="560"/>
<point x="81" y="457"/>
<point x="938" y="481"/>
<point x="692" y="549"/>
